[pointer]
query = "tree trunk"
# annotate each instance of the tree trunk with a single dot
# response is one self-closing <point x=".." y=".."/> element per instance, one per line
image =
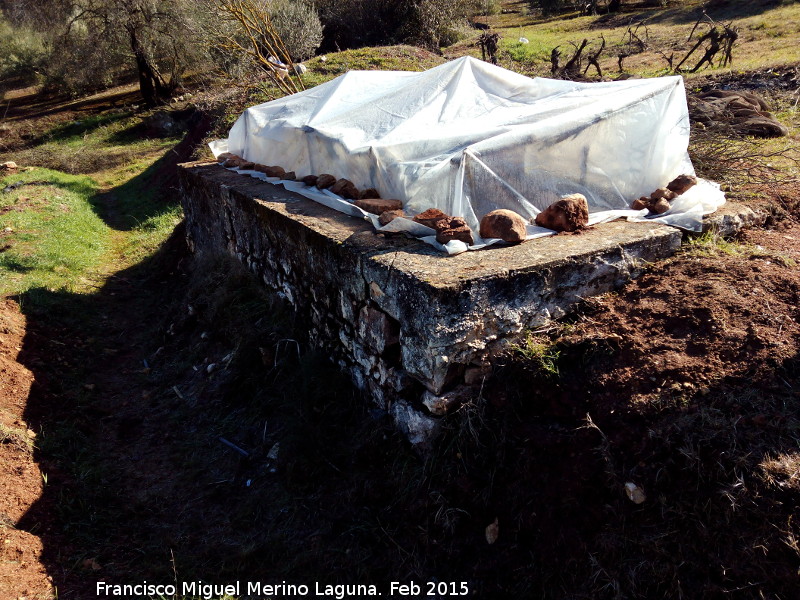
<point x="151" y="86"/>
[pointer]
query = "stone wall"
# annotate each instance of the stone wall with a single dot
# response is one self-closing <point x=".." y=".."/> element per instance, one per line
<point x="414" y="328"/>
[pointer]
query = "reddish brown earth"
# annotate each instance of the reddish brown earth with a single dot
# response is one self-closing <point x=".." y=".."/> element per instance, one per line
<point x="22" y="573"/>
<point x="695" y="321"/>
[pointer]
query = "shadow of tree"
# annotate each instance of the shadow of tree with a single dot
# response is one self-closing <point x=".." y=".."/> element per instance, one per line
<point x="155" y="190"/>
<point x="80" y="128"/>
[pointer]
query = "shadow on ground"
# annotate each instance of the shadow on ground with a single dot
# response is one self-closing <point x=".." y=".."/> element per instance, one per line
<point x="137" y="384"/>
<point x="155" y="190"/>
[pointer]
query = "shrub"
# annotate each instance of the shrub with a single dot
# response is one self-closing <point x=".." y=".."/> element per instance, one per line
<point x="22" y="52"/>
<point x="489" y="7"/>
<point x="299" y="27"/>
<point x="429" y="23"/>
<point x="82" y="62"/>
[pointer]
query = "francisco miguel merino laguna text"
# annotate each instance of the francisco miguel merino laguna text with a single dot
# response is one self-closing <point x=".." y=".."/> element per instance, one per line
<point x="211" y="590"/>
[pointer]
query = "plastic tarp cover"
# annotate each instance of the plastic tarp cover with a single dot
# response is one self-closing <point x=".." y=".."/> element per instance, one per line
<point x="469" y="137"/>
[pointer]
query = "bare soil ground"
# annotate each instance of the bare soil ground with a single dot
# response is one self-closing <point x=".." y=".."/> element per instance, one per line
<point x="21" y="569"/>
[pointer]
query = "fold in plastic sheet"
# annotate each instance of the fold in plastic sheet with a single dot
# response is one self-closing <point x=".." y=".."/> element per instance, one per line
<point x="469" y="137"/>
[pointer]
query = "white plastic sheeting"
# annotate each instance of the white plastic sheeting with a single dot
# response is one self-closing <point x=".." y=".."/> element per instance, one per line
<point x="468" y="137"/>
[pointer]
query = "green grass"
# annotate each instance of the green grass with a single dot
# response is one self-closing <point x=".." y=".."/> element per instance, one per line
<point x="51" y="232"/>
<point x="540" y="354"/>
<point x="713" y="244"/>
<point x="97" y="205"/>
<point x="96" y="143"/>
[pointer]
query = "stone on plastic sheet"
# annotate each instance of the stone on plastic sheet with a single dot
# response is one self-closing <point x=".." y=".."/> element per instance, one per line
<point x="503" y="224"/>
<point x="682" y="184"/>
<point x="345" y="188"/>
<point x="570" y="213"/>
<point x="378" y="206"/>
<point x="377" y="329"/>
<point x="418" y="427"/>
<point x="454" y="228"/>
<point x="325" y="180"/>
<point x="444" y="403"/>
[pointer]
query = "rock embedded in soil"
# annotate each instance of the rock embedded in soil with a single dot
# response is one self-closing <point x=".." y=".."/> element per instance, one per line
<point x="682" y="183"/>
<point x="635" y="493"/>
<point x="454" y="228"/>
<point x="568" y="214"/>
<point x="505" y="225"/>
<point x="388" y="216"/>
<point x="744" y="112"/>
<point x="442" y="404"/>
<point x="310" y="180"/>
<point x="325" y="180"/>
<point x="430" y="217"/>
<point x="378" y="206"/>
<point x="247" y="165"/>
<point x="345" y="188"/>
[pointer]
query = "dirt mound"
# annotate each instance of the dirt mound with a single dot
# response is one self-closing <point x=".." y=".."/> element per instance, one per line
<point x="696" y="322"/>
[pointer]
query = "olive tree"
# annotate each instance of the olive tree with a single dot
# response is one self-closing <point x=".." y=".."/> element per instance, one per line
<point x="91" y="42"/>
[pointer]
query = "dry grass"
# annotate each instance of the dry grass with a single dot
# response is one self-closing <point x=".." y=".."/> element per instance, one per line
<point x="17" y="438"/>
<point x="766" y="34"/>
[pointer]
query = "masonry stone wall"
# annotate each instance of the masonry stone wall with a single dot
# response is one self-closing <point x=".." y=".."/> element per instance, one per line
<point x="413" y="328"/>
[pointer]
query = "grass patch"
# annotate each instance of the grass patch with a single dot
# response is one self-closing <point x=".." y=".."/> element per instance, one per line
<point x="16" y="437"/>
<point x="539" y="354"/>
<point x="95" y="144"/>
<point x="50" y="230"/>
<point x="764" y="40"/>
<point x="711" y="244"/>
